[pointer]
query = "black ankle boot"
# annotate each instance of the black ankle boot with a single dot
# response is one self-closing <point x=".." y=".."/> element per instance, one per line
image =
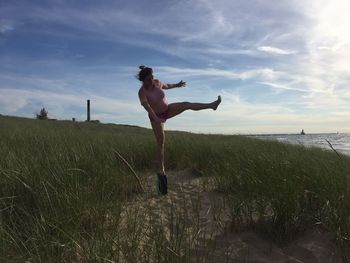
<point x="159" y="185"/>
<point x="165" y="184"/>
<point x="162" y="187"/>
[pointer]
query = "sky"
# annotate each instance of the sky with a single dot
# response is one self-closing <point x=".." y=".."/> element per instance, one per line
<point x="279" y="66"/>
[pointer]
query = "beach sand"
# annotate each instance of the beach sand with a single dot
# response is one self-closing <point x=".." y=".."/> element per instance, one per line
<point x="192" y="206"/>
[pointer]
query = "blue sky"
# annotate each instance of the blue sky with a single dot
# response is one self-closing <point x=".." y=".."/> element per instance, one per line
<point x="280" y="66"/>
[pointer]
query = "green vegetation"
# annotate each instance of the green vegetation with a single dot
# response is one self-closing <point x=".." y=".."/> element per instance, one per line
<point x="62" y="190"/>
<point x="42" y="115"/>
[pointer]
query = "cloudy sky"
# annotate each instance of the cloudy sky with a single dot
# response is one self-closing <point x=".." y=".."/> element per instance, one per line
<point x="280" y="66"/>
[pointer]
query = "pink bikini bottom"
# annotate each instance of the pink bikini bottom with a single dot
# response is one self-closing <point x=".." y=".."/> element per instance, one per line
<point x="161" y="115"/>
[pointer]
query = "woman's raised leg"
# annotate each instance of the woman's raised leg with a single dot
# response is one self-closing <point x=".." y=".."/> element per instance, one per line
<point x="179" y="107"/>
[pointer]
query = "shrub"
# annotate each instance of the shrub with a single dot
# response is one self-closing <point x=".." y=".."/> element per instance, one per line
<point x="42" y="115"/>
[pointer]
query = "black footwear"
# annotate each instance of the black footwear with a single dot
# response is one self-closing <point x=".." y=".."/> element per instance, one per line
<point x="165" y="184"/>
<point x="162" y="187"/>
<point x="159" y="185"/>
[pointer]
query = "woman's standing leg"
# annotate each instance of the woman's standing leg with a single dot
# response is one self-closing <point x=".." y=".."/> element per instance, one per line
<point x="158" y="129"/>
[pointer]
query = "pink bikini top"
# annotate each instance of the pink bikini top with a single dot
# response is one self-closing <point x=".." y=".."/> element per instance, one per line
<point x="156" y="96"/>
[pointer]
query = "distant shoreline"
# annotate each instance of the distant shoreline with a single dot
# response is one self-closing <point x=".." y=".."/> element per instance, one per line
<point x="288" y="134"/>
<point x="194" y="132"/>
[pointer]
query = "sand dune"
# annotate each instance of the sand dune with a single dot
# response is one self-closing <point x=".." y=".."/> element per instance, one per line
<point x="192" y="204"/>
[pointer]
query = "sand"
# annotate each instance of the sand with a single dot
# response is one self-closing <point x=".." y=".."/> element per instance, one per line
<point x="193" y="207"/>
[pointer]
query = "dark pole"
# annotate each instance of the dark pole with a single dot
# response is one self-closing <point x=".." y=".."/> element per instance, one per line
<point x="88" y="110"/>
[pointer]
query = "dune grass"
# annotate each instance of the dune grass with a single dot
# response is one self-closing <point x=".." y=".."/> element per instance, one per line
<point x="62" y="191"/>
<point x="277" y="189"/>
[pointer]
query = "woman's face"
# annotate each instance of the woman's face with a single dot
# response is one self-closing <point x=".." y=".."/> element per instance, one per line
<point x="148" y="80"/>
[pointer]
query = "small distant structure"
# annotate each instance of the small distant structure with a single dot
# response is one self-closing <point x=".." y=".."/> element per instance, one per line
<point x="88" y="111"/>
<point x="88" y="119"/>
<point x="302" y="132"/>
<point x="73" y="119"/>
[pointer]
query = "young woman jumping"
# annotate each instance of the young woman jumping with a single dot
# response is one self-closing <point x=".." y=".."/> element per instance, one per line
<point x="152" y="98"/>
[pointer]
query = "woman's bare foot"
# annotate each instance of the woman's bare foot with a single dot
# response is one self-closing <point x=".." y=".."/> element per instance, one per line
<point x="216" y="103"/>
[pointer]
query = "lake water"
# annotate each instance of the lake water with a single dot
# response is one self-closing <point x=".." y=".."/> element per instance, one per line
<point x="339" y="141"/>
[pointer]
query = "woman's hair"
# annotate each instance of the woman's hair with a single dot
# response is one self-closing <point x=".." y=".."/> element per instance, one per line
<point x="144" y="72"/>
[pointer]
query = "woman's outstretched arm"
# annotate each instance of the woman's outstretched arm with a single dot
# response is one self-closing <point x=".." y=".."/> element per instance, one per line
<point x="177" y="85"/>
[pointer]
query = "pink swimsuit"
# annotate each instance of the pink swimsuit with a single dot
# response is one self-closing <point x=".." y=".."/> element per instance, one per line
<point x="156" y="98"/>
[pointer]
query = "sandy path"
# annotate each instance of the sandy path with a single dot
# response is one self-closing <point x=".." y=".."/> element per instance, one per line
<point x="192" y="201"/>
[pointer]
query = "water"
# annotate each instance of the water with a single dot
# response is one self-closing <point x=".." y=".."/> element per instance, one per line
<point x="339" y="141"/>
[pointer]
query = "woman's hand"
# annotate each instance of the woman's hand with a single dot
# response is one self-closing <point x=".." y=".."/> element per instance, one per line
<point x="181" y="84"/>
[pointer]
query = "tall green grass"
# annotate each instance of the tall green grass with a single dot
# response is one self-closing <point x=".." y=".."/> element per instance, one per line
<point x="58" y="183"/>
<point x="277" y="189"/>
<point x="63" y="189"/>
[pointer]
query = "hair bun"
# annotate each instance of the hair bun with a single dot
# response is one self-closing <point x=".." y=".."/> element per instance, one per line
<point x="142" y="67"/>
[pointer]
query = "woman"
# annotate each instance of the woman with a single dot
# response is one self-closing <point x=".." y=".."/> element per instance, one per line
<point x="152" y="98"/>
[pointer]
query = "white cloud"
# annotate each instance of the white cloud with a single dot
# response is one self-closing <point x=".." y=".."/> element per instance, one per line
<point x="282" y="86"/>
<point x="235" y="115"/>
<point x="225" y="22"/>
<point x="329" y="37"/>
<point x="260" y="73"/>
<point x="6" y="25"/>
<point x="274" y="50"/>
<point x="14" y="101"/>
